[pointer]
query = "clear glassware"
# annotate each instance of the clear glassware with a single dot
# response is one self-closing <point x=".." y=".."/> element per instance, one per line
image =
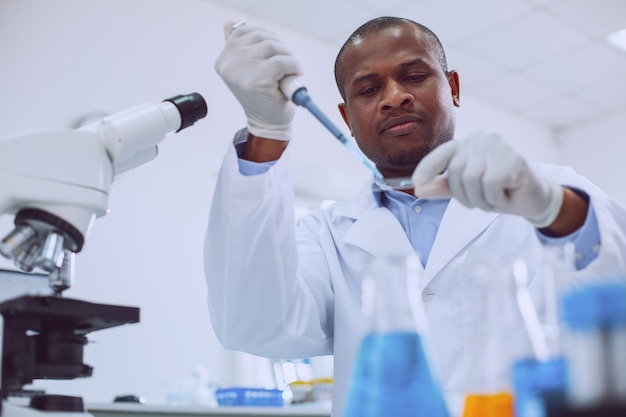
<point x="393" y="374"/>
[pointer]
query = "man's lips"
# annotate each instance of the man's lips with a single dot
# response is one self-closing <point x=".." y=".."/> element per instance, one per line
<point x="400" y="125"/>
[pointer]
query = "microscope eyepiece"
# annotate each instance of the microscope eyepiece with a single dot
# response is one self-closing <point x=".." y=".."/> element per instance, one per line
<point x="192" y="108"/>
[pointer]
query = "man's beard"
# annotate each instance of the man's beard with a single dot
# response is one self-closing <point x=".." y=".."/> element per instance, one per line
<point x="402" y="160"/>
<point x="406" y="157"/>
<point x="405" y="160"/>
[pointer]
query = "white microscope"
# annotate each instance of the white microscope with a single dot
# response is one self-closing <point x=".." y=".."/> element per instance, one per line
<point x="55" y="183"/>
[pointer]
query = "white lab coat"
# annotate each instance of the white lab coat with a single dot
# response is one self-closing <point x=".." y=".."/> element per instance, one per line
<point x="279" y="291"/>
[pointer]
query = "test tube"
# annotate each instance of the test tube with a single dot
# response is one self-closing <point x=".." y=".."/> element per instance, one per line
<point x="615" y="303"/>
<point x="540" y="381"/>
<point x="588" y="384"/>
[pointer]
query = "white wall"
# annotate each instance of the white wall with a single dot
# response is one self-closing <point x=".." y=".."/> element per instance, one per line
<point x="60" y="60"/>
<point x="597" y="149"/>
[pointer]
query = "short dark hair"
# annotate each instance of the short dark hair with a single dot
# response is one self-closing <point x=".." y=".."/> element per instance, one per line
<point x="378" y="24"/>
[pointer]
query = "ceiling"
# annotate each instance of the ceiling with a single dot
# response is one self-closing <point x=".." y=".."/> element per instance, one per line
<point x="546" y="60"/>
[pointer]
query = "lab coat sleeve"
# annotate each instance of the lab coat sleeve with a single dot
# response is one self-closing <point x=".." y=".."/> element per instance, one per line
<point x="611" y="259"/>
<point x="258" y="300"/>
<point x="611" y="222"/>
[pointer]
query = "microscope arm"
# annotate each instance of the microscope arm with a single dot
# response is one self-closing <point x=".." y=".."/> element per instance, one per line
<point x="57" y="182"/>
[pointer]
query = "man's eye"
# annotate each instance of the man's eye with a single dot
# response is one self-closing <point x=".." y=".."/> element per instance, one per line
<point x="416" y="77"/>
<point x="369" y="91"/>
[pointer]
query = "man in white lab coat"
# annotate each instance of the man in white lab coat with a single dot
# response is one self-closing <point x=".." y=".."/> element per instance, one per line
<point x="278" y="290"/>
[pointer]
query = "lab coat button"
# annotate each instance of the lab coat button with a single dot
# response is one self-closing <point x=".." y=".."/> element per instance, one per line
<point x="427" y="296"/>
<point x="418" y="209"/>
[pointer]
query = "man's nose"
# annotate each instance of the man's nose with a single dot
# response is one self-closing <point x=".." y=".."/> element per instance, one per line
<point x="395" y="95"/>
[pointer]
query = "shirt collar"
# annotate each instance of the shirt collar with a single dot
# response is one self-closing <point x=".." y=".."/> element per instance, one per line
<point x="382" y="196"/>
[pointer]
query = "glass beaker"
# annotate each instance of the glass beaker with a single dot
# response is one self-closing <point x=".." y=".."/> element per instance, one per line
<point x="393" y="373"/>
<point x="489" y="392"/>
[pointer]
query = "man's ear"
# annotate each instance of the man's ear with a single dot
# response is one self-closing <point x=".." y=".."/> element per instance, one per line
<point x="455" y="87"/>
<point x="343" y="109"/>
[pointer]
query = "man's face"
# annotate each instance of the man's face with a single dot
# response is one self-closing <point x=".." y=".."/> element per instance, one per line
<point x="399" y="101"/>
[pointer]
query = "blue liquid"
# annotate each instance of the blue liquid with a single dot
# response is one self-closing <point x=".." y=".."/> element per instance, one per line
<point x="393" y="378"/>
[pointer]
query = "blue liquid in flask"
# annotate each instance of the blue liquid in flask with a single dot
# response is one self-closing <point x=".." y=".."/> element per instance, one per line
<point x="393" y="378"/>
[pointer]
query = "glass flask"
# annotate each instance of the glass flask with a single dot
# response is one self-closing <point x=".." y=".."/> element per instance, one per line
<point x="393" y="374"/>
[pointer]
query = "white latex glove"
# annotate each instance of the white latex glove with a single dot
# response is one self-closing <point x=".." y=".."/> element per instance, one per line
<point x="251" y="64"/>
<point x="486" y="172"/>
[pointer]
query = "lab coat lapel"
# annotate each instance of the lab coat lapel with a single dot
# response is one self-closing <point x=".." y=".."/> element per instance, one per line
<point x="379" y="233"/>
<point x="459" y="226"/>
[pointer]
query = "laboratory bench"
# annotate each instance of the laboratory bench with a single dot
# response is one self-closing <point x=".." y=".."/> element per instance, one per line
<point x="143" y="410"/>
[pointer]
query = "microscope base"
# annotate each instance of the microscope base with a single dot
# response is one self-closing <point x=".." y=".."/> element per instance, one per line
<point x="13" y="410"/>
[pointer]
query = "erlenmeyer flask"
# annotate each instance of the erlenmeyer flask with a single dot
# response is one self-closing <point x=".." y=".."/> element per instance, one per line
<point x="393" y="375"/>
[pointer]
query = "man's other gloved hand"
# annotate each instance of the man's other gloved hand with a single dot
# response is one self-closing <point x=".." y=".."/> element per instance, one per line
<point x="251" y="64"/>
<point x="486" y="172"/>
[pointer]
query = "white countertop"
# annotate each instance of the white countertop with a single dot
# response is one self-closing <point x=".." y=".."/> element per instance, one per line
<point x="143" y="410"/>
